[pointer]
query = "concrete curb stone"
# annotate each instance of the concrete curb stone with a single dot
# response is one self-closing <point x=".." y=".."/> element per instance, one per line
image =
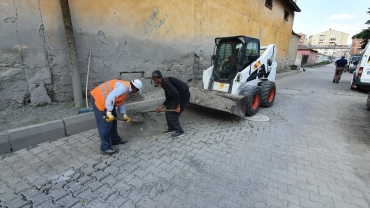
<point x="34" y="134"/>
<point x="4" y="143"/>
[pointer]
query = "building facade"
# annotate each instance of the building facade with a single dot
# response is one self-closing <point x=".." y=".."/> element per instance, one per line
<point x="302" y="39"/>
<point x="356" y="46"/>
<point x="329" y="37"/>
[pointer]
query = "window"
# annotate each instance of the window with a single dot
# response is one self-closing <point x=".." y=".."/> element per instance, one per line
<point x="251" y="53"/>
<point x="286" y="15"/>
<point x="268" y="3"/>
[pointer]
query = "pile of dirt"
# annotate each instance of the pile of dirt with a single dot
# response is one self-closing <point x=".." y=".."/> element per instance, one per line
<point x="210" y="99"/>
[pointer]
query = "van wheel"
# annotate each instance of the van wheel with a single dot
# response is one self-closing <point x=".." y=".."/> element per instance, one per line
<point x="368" y="102"/>
<point x="353" y="85"/>
<point x="268" y="91"/>
<point x="253" y="100"/>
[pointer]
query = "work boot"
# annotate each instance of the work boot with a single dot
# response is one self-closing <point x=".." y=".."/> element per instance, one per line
<point x="169" y="131"/>
<point x="178" y="134"/>
<point x="119" y="142"/>
<point x="109" y="152"/>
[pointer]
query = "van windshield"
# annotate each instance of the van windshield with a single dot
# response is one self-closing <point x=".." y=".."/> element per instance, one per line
<point x="356" y="58"/>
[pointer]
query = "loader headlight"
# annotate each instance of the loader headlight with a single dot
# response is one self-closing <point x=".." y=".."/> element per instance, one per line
<point x="238" y="78"/>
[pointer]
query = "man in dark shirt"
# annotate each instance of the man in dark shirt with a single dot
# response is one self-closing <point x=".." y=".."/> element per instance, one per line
<point x="177" y="97"/>
<point x="340" y="64"/>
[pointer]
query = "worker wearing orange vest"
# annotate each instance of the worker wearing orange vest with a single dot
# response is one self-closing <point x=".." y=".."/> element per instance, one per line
<point x="104" y="98"/>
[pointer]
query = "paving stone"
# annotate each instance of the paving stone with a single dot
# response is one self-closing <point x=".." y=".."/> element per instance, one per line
<point x="75" y="188"/>
<point x="67" y="201"/>
<point x="8" y="196"/>
<point x="87" y="196"/>
<point x="58" y="193"/>
<point x="326" y="201"/>
<point x="50" y="204"/>
<point x="17" y="202"/>
<point x="94" y="184"/>
<point x="97" y="203"/>
<point x="354" y="200"/>
<point x="39" y="199"/>
<point x="342" y="204"/>
<point x="308" y="203"/>
<point x="105" y="192"/>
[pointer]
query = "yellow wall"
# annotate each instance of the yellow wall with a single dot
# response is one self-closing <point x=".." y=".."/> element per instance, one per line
<point x="188" y="22"/>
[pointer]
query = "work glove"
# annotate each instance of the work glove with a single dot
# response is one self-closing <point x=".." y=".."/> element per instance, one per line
<point x="126" y="118"/>
<point x="110" y="117"/>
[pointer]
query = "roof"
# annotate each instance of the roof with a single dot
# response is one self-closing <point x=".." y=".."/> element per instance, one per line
<point x="303" y="47"/>
<point x="292" y="4"/>
<point x="295" y="34"/>
<point x="329" y="46"/>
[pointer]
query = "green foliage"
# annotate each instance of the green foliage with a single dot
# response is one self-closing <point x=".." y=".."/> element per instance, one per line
<point x="322" y="63"/>
<point x="364" y="34"/>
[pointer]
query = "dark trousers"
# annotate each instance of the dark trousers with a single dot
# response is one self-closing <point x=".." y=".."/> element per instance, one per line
<point x="173" y="117"/>
<point x="338" y="73"/>
<point x="107" y="130"/>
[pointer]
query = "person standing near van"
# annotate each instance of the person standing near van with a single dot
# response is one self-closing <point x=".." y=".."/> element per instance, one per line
<point x="177" y="97"/>
<point x="340" y="67"/>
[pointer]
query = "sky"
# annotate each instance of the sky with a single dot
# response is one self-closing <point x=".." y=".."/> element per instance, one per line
<point x="316" y="16"/>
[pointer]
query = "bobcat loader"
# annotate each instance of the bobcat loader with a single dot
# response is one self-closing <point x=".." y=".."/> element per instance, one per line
<point x="240" y="79"/>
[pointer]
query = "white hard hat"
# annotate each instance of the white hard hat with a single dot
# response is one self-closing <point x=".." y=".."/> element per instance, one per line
<point x="138" y="84"/>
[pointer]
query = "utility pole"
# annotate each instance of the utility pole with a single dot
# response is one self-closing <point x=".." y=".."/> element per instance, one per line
<point x="333" y="50"/>
<point x="68" y="28"/>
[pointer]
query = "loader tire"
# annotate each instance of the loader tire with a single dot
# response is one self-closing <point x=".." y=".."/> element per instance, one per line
<point x="268" y="91"/>
<point x="253" y="101"/>
<point x="368" y="102"/>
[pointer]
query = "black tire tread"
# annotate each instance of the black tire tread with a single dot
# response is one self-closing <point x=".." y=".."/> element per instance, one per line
<point x="250" y="91"/>
<point x="265" y="92"/>
<point x="368" y="102"/>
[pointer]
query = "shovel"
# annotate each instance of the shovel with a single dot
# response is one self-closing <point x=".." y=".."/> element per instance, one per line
<point x="138" y="117"/>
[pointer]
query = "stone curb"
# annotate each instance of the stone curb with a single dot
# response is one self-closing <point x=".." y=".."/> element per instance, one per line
<point x="19" y="138"/>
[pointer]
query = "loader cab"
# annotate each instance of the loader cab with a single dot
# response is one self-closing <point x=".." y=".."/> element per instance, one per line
<point x="233" y="55"/>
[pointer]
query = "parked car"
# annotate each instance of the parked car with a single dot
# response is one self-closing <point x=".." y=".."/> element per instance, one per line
<point x="353" y="62"/>
<point x="361" y="75"/>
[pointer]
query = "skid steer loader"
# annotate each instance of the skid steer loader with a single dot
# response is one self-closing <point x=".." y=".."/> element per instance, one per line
<point x="240" y="79"/>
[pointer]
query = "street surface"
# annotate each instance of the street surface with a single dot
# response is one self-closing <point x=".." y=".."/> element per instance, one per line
<point x="313" y="152"/>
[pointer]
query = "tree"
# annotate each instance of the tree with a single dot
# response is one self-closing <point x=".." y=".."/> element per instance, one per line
<point x="364" y="34"/>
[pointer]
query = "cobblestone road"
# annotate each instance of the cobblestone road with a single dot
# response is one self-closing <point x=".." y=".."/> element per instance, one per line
<point x="313" y="152"/>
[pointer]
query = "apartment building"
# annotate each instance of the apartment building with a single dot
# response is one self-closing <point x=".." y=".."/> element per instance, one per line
<point x="302" y="40"/>
<point x="330" y="37"/>
<point x="355" y="46"/>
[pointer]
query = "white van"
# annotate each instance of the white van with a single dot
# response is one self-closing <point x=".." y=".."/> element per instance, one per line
<point x="361" y="77"/>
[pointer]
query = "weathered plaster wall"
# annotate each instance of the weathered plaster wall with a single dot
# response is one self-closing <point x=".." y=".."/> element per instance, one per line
<point x="127" y="39"/>
<point x="292" y="52"/>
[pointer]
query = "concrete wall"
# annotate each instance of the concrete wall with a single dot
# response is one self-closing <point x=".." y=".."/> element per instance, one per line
<point x="292" y="52"/>
<point x="127" y="39"/>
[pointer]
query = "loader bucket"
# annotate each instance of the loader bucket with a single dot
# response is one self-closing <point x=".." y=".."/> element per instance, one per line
<point x="220" y="101"/>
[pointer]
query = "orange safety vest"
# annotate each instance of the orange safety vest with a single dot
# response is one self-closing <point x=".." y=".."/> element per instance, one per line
<point x="101" y="92"/>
